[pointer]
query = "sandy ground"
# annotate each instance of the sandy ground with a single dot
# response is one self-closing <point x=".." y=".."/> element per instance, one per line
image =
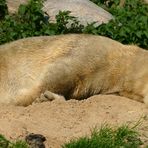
<point x="59" y="120"/>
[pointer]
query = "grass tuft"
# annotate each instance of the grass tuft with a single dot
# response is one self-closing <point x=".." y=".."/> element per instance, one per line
<point x="4" y="143"/>
<point x="107" y="137"/>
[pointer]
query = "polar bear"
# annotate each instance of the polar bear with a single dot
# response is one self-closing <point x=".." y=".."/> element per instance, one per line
<point x="71" y="66"/>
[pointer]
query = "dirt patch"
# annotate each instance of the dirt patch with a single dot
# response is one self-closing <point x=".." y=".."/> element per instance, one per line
<point x="59" y="120"/>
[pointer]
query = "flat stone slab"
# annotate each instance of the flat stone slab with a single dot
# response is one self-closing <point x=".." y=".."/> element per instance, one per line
<point x="85" y="10"/>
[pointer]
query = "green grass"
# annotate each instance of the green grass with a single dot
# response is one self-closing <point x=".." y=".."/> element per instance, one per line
<point x="4" y="143"/>
<point x="107" y="137"/>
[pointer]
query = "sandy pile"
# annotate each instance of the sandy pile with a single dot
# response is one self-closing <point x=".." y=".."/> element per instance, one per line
<point x="59" y="120"/>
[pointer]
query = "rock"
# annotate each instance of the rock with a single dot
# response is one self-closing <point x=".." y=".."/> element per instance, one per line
<point x="85" y="10"/>
<point x="35" y="140"/>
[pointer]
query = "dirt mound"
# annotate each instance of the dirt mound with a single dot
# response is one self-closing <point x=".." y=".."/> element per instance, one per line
<point x="60" y="121"/>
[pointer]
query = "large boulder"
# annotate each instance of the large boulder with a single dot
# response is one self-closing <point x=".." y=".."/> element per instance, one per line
<point x="85" y="10"/>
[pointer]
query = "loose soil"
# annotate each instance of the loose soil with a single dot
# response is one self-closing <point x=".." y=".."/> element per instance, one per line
<point x="60" y="121"/>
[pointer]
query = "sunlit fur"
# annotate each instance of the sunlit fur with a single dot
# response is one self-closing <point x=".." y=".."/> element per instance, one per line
<point x="74" y="66"/>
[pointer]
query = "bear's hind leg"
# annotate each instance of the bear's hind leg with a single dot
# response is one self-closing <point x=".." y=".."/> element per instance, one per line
<point x="25" y="96"/>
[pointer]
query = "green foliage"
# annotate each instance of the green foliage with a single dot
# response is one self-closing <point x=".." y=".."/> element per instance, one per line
<point x="3" y="9"/>
<point x="107" y="3"/>
<point x="30" y="20"/>
<point x="107" y="137"/>
<point x="130" y="25"/>
<point x="4" y="143"/>
<point x="67" y="23"/>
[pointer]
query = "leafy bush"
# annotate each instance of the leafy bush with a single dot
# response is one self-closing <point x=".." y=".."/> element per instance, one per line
<point x="3" y="9"/>
<point x="67" y="23"/>
<point x="30" y="20"/>
<point x="107" y="137"/>
<point x="108" y="3"/>
<point x="130" y="25"/>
